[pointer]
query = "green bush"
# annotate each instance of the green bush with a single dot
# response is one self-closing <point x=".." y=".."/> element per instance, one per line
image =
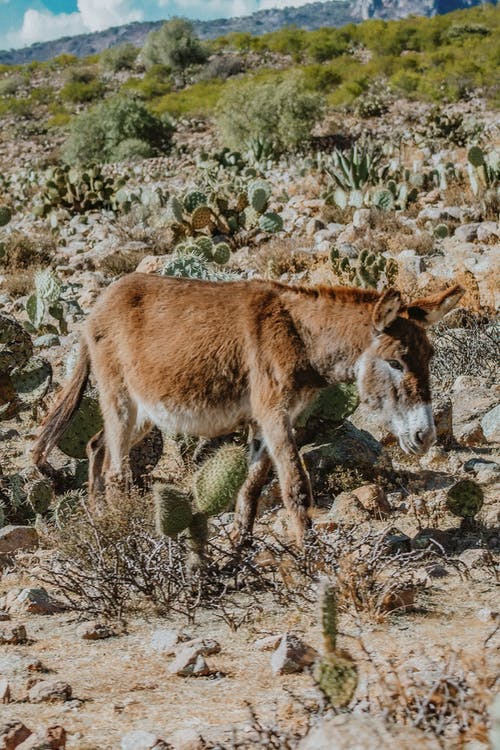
<point x="175" y="44"/>
<point x="120" y="57"/>
<point x="76" y="92"/>
<point x="282" y="111"/>
<point x="10" y="86"/>
<point x="95" y="135"/>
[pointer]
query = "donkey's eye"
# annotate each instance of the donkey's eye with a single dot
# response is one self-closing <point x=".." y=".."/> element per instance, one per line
<point x="395" y="364"/>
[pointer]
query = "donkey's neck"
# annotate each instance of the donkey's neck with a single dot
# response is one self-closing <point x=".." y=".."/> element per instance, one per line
<point x="335" y="327"/>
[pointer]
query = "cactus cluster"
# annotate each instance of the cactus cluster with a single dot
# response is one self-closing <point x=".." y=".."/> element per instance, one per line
<point x="29" y="493"/>
<point x="483" y="170"/>
<point x="225" y="212"/>
<point x="24" y="379"/>
<point x="368" y="270"/>
<point x="213" y="252"/>
<point x="192" y="265"/>
<point x="77" y="191"/>
<point x="334" y="672"/>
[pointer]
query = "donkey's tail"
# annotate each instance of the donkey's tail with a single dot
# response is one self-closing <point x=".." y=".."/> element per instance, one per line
<point x="59" y="417"/>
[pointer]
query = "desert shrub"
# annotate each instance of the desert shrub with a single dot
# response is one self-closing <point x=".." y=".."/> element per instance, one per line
<point x="120" y="57"/>
<point x="95" y="135"/>
<point x="469" y="347"/>
<point x="175" y="44"/>
<point x="282" y="111"/>
<point x="132" y="149"/>
<point x="81" y="86"/>
<point x="156" y="82"/>
<point x="19" y="251"/>
<point x="10" y="86"/>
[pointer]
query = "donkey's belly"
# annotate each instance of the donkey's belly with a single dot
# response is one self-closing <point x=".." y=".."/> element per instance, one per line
<point x="194" y="419"/>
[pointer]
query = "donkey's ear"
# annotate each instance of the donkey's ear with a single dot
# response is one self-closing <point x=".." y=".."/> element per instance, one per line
<point x="429" y="310"/>
<point x="386" y="310"/>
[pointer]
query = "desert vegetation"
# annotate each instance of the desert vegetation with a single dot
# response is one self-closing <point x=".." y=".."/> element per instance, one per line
<point x="362" y="156"/>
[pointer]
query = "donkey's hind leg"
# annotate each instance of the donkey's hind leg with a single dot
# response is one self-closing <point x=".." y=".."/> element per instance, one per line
<point x="249" y="494"/>
<point x="119" y="413"/>
<point x="96" y="453"/>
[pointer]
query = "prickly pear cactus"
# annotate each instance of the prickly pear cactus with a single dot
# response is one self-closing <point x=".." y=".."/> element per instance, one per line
<point x="5" y="215"/>
<point x="465" y="499"/>
<point x="193" y="200"/>
<point x="32" y="381"/>
<point x="221" y="253"/>
<point x="85" y="423"/>
<point x="335" y="673"/>
<point x="16" y="347"/>
<point x="333" y="404"/>
<point x="217" y="482"/>
<point x="65" y="506"/>
<point x="198" y="533"/>
<point x="173" y="512"/>
<point x="271" y="222"/>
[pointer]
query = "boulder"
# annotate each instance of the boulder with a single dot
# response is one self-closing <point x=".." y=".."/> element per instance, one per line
<point x="292" y="655"/>
<point x="17" y="538"/>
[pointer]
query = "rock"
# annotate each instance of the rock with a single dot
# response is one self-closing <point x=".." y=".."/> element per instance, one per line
<point x="205" y="646"/>
<point x="442" y="411"/>
<point x="494" y="733"/>
<point x="347" y="510"/>
<point x="486" y="615"/>
<point x="475" y="557"/>
<point x="343" y="445"/>
<point x="5" y="696"/>
<point x="94" y="631"/>
<point x="13" y="635"/>
<point x="142" y="740"/>
<point x="4" y="615"/>
<point x="189" y="663"/>
<point x="437" y="571"/>
<point x="15" y="538"/>
<point x="373" y="499"/>
<point x="292" y="655"/>
<point x="485" y="471"/>
<point x="488" y="230"/>
<point x="268" y="643"/>
<point x="49" y="691"/>
<point x="313" y="226"/>
<point x="351" y="732"/>
<point x="166" y="641"/>
<point x="53" y="739"/>
<point x="410" y="262"/>
<point x="361" y="218"/>
<point x="152" y="263"/>
<point x="13" y="734"/>
<point x="490" y="424"/>
<point x="466" y="232"/>
<point x="401" y="599"/>
<point x="35" y="601"/>
<point x="471" y="400"/>
<point x="432" y="538"/>
<point x="365" y="419"/>
<point x="188" y="739"/>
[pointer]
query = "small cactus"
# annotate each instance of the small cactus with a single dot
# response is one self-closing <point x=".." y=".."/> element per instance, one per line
<point x="217" y="482"/>
<point x="5" y="215"/>
<point x="335" y="673"/>
<point x="193" y="200"/>
<point x="441" y="231"/>
<point x="465" y="499"/>
<point x="475" y="156"/>
<point x="271" y="222"/>
<point x="333" y="404"/>
<point x="383" y="199"/>
<point x="221" y="253"/>
<point x="173" y="512"/>
<point x="86" y="422"/>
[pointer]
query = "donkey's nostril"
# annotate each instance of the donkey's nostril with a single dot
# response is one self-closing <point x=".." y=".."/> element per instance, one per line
<point x="420" y="437"/>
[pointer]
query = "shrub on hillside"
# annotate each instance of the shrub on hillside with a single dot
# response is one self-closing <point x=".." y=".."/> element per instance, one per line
<point x="281" y="111"/>
<point x="96" y="134"/>
<point x="10" y="86"/>
<point x="175" y="44"/>
<point x="81" y="85"/>
<point x="121" y="57"/>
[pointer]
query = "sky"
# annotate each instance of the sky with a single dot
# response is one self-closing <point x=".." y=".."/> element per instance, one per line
<point x="23" y="22"/>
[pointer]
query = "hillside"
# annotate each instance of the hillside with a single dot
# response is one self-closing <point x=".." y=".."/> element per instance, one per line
<point x="311" y="16"/>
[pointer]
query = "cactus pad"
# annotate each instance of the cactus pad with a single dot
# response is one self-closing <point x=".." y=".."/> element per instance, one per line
<point x="271" y="222"/>
<point x="441" y="231"/>
<point x="193" y="200"/>
<point x="221" y="253"/>
<point x="39" y="495"/>
<point x="16" y="347"/>
<point x="217" y="482"/>
<point x="383" y="199"/>
<point x="333" y="404"/>
<point x="173" y="511"/>
<point x="32" y="381"/>
<point x="475" y="156"/>
<point x="201" y="217"/>
<point x="337" y="677"/>
<point x="328" y="607"/>
<point x="5" y="215"/>
<point x="86" y="421"/>
<point x="465" y="499"/>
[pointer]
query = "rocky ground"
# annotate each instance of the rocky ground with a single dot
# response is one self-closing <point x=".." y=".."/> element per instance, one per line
<point x="85" y="663"/>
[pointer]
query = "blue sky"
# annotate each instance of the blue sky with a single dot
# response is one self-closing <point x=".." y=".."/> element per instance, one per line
<point x="24" y="22"/>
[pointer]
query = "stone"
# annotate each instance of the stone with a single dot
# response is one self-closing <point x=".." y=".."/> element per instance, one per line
<point x="486" y="615"/>
<point x="53" y="739"/>
<point x="13" y="635"/>
<point x="292" y="655"/>
<point x="471" y="400"/>
<point x="188" y="739"/>
<point x="466" y="232"/>
<point x="166" y="641"/>
<point x="341" y="445"/>
<point x="410" y="262"/>
<point x="485" y="471"/>
<point x="361" y="218"/>
<point x="35" y="601"/>
<point x="49" y="691"/>
<point x="490" y="425"/>
<point x="373" y="499"/>
<point x="268" y="642"/>
<point x="94" y="631"/>
<point x="13" y="734"/>
<point x="351" y="732"/>
<point x="435" y="538"/>
<point x="189" y="663"/>
<point x="364" y="418"/>
<point x="400" y="600"/>
<point x="152" y="263"/>
<point x="474" y="557"/>
<point x="16" y="538"/>
<point x="5" y="693"/>
<point x="313" y="226"/>
<point x="494" y="734"/>
<point x="204" y="646"/>
<point x="488" y="230"/>
<point x="347" y="510"/>
<point x="139" y="739"/>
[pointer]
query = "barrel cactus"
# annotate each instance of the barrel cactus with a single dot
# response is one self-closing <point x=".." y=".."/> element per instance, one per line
<point x="465" y="499"/>
<point x="173" y="512"/>
<point x="335" y="673"/>
<point x="218" y="480"/>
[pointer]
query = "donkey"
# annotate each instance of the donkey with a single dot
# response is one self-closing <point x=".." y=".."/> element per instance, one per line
<point x="207" y="358"/>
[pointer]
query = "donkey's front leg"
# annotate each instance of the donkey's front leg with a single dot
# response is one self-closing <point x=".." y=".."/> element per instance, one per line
<point x="294" y="481"/>
<point x="249" y="494"/>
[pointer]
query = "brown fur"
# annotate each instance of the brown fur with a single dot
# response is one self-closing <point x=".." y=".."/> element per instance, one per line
<point x="206" y="358"/>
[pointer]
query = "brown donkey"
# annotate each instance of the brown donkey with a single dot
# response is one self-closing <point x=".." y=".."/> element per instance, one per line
<point x="206" y="358"/>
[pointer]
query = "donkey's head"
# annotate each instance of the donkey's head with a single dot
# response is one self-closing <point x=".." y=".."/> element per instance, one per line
<point x="393" y="372"/>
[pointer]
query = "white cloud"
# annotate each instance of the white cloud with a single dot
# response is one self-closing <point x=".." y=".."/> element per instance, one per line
<point x="101" y="14"/>
<point x="43" y="26"/>
<point x="266" y="4"/>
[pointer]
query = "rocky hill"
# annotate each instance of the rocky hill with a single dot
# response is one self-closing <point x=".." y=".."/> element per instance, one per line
<point x="311" y="16"/>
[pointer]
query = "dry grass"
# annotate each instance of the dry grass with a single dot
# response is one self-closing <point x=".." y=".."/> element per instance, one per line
<point x="278" y="257"/>
<point x="19" y="283"/>
<point x="121" y="263"/>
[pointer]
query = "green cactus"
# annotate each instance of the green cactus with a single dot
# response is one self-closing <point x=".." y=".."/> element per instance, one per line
<point x="383" y="199"/>
<point x="45" y="303"/>
<point x="40" y="494"/>
<point x="221" y="253"/>
<point x="335" y="673"/>
<point x="465" y="499"/>
<point x="5" y="215"/>
<point x="174" y="210"/>
<point x="258" y="199"/>
<point x="193" y="266"/>
<point x="333" y="404"/>
<point x="475" y="156"/>
<point x="217" y="482"/>
<point x="32" y="381"/>
<point x="65" y="507"/>
<point x="198" y="533"/>
<point x="193" y="200"/>
<point x="201" y="218"/>
<point x="173" y="511"/>
<point x="16" y="347"/>
<point x="441" y="231"/>
<point x="77" y="191"/>
<point x="368" y="270"/>
<point x="86" y="422"/>
<point x="271" y="222"/>
<point x="205" y="246"/>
